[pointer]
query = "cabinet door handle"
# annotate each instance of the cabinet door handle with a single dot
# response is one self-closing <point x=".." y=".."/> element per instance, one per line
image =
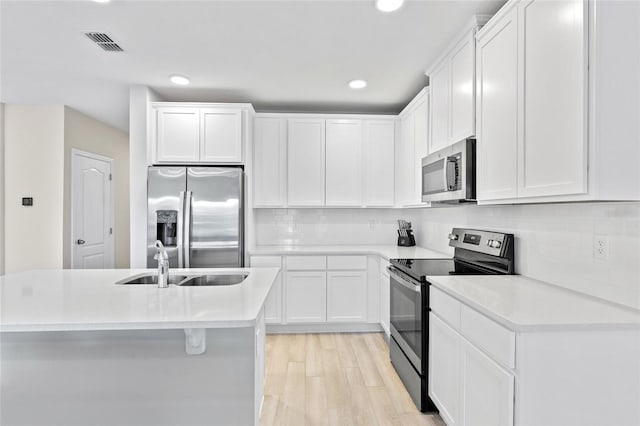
<point x="80" y="242"/>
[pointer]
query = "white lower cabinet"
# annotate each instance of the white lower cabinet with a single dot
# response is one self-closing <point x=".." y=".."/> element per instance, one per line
<point x="487" y="391"/>
<point x="330" y="290"/>
<point x="346" y="296"/>
<point x="273" y="304"/>
<point x="323" y="289"/>
<point x="306" y="296"/>
<point x="444" y="369"/>
<point x="468" y="386"/>
<point x="565" y="375"/>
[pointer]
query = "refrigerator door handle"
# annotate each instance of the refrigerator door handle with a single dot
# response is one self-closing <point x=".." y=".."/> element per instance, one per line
<point x="180" y="231"/>
<point x="241" y="223"/>
<point x="187" y="230"/>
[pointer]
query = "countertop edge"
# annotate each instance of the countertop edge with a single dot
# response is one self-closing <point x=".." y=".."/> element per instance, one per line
<point x="248" y="318"/>
<point x="333" y="250"/>
<point x="35" y="328"/>
<point x="577" y="326"/>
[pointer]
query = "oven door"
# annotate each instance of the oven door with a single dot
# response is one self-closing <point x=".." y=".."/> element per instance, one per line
<point x="406" y="316"/>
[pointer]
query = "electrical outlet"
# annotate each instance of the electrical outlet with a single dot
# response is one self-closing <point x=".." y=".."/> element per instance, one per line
<point x="600" y="247"/>
<point x="372" y="224"/>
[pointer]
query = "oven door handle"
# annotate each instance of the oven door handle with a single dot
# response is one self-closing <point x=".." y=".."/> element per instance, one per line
<point x="405" y="282"/>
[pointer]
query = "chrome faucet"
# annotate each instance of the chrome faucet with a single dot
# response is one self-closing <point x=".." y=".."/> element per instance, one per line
<point x="163" y="265"/>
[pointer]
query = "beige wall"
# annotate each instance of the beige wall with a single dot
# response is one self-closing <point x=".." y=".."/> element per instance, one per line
<point x="89" y="135"/>
<point x="34" y="167"/>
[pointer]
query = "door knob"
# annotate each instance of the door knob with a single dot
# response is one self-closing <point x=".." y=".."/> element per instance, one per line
<point x="80" y="242"/>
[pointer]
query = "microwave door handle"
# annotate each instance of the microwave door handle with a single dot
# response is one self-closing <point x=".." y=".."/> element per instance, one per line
<point x="450" y="174"/>
<point x="445" y="170"/>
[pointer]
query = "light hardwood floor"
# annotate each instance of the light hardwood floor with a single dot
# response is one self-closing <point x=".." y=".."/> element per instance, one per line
<point x="335" y="379"/>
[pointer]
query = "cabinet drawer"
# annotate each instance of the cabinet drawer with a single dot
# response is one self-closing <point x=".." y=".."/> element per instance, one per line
<point x="266" y="261"/>
<point x="306" y="263"/>
<point x="346" y="262"/>
<point x="445" y="306"/>
<point x="488" y="335"/>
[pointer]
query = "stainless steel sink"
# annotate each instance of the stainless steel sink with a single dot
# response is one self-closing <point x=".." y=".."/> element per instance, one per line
<point x="207" y="280"/>
<point x="188" y="280"/>
<point x="151" y="279"/>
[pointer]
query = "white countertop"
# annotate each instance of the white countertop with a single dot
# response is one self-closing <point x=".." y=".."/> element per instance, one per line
<point x="64" y="300"/>
<point x="385" y="251"/>
<point x="521" y="303"/>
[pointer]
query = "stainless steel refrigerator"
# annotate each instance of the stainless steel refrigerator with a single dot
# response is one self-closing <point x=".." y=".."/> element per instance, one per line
<point x="197" y="213"/>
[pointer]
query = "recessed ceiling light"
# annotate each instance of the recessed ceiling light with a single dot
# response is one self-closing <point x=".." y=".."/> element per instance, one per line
<point x="179" y="79"/>
<point x="388" y="5"/>
<point x="102" y="1"/>
<point x="357" y="84"/>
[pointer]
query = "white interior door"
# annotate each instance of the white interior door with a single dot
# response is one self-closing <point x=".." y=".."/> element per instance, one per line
<point x="92" y="212"/>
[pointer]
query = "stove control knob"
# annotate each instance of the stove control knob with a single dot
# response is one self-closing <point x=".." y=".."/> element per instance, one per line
<point x="453" y="237"/>
<point x="494" y="244"/>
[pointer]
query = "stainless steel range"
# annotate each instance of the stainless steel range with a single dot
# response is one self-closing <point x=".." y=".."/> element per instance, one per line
<point x="476" y="253"/>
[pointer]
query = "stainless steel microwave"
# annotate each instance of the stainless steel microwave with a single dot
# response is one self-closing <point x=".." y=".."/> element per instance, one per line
<point x="449" y="175"/>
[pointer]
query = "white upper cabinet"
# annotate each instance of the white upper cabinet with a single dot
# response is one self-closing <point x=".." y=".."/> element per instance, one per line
<point x="405" y="183"/>
<point x="420" y="145"/>
<point x="411" y="147"/>
<point x="498" y="110"/>
<point x="440" y="96"/>
<point x="344" y="163"/>
<point x="269" y="162"/>
<point x="452" y="82"/>
<point x="185" y="133"/>
<point x="551" y="125"/>
<point x="177" y="134"/>
<point x="552" y="152"/>
<point x="306" y="162"/>
<point x="379" y="141"/>
<point x="462" y="121"/>
<point x="220" y="135"/>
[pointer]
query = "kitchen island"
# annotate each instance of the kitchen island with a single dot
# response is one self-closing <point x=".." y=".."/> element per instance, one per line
<point x="78" y="349"/>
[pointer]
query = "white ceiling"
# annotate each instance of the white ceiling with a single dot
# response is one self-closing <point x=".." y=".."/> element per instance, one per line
<point x="294" y="55"/>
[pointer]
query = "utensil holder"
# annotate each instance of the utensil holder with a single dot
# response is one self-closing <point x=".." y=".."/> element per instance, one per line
<point x="408" y="240"/>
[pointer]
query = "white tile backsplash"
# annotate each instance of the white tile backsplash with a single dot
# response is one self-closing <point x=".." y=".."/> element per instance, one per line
<point x="554" y="242"/>
<point x="326" y="226"/>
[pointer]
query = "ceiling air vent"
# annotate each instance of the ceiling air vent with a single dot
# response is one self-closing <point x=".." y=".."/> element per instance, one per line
<point x="104" y="41"/>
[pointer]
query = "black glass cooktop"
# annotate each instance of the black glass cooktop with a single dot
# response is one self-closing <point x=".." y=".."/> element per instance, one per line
<point x="419" y="269"/>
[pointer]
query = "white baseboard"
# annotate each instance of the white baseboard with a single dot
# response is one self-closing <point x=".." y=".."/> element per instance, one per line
<point x="324" y="328"/>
